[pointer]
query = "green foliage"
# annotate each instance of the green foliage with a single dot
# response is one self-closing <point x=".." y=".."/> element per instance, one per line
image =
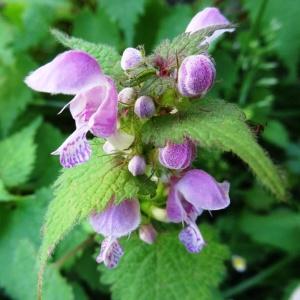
<point x="165" y="270"/>
<point x="107" y="56"/>
<point x="83" y="190"/>
<point x="20" y="237"/>
<point x="18" y="156"/>
<point x="279" y="229"/>
<point x="216" y="124"/>
<point x="125" y="13"/>
<point x="286" y="18"/>
<point x="14" y="95"/>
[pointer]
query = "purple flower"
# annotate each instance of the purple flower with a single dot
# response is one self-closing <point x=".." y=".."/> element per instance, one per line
<point x="208" y="17"/>
<point x="188" y="197"/>
<point x="177" y="156"/>
<point x="144" y="107"/>
<point x="131" y="58"/>
<point x="94" y="107"/>
<point x="196" y="75"/>
<point x="114" y="222"/>
<point x="137" y="165"/>
<point x="147" y="233"/>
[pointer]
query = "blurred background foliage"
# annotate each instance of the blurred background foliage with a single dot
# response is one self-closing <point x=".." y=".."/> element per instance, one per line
<point x="257" y="68"/>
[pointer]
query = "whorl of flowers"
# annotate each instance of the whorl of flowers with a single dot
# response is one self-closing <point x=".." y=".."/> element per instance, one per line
<point x="99" y="107"/>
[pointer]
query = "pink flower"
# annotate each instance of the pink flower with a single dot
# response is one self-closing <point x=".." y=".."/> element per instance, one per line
<point x="209" y="16"/>
<point x="94" y="107"/>
<point x="114" y="222"/>
<point x="188" y="197"/>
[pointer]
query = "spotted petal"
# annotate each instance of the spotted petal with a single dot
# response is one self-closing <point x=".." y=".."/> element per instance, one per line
<point x="75" y="150"/>
<point x="191" y="238"/>
<point x="68" y="73"/>
<point x="110" y="253"/>
<point x="117" y="220"/>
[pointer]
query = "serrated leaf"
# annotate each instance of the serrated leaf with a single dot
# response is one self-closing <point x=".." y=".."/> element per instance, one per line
<point x="107" y="56"/>
<point x="187" y="44"/>
<point x="125" y="13"/>
<point x="18" y="155"/>
<point x="279" y="229"/>
<point x="217" y="124"/>
<point x="165" y="270"/>
<point x="82" y="190"/>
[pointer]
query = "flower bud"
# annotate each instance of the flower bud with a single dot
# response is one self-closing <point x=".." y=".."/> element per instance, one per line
<point x="195" y="75"/>
<point x="177" y="156"/>
<point x="137" y="165"/>
<point x="127" y="95"/>
<point x="131" y="58"/>
<point x="144" y="107"/>
<point x="147" y="233"/>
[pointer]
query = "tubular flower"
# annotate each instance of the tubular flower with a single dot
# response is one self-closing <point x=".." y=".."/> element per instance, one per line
<point x="94" y="107"/>
<point x="209" y="16"/>
<point x="196" y="75"/>
<point x="188" y="197"/>
<point x="114" y="222"/>
<point x="177" y="156"/>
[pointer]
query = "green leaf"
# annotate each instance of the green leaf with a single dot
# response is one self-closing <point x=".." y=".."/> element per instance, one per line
<point x="107" y="56"/>
<point x="175" y="22"/>
<point x="82" y="190"/>
<point x="125" y="13"/>
<point x="18" y="155"/>
<point x="14" y="94"/>
<point x="187" y="44"/>
<point x="48" y="138"/>
<point x="24" y="258"/>
<point x="107" y="31"/>
<point x="279" y="229"/>
<point x="165" y="270"/>
<point x="20" y="237"/>
<point x="216" y="124"/>
<point x="288" y="36"/>
<point x="4" y="194"/>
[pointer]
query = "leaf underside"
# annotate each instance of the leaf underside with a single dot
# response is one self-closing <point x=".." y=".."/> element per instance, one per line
<point x="220" y="125"/>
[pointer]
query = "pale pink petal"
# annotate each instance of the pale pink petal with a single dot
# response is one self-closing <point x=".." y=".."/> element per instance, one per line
<point x="103" y="122"/>
<point x="68" y="73"/>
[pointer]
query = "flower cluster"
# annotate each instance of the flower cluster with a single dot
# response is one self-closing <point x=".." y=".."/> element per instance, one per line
<point x="94" y="109"/>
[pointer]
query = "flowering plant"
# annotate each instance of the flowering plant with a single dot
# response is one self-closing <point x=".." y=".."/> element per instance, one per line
<point x="150" y="115"/>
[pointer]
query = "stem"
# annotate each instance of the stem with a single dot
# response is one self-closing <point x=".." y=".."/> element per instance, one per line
<point x="60" y="262"/>
<point x="259" y="17"/>
<point x="255" y="280"/>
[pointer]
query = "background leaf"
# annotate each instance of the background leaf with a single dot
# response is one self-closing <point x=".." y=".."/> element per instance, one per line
<point x="18" y="155"/>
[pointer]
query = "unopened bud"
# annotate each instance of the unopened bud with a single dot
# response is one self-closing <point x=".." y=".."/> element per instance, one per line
<point x="131" y="58"/>
<point x="137" y="165"/>
<point x="177" y="156"/>
<point x="144" y="107"/>
<point x="127" y="95"/>
<point x="147" y="233"/>
<point x="196" y="75"/>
